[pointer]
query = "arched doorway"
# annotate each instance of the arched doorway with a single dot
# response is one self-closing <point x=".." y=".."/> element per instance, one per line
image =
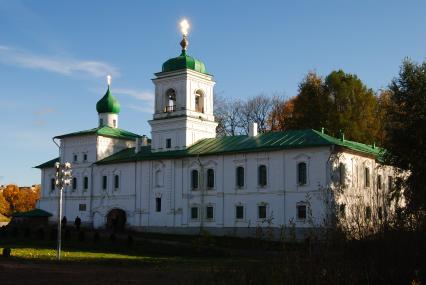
<point x="116" y="220"/>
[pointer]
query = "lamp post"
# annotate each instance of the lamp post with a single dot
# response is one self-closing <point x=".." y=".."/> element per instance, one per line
<point x="62" y="179"/>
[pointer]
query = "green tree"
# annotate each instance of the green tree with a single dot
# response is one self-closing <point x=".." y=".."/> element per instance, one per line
<point x="353" y="109"/>
<point x="406" y="131"/>
<point x="311" y="105"/>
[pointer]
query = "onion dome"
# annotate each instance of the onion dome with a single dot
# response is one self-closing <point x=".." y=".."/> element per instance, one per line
<point x="108" y="104"/>
<point x="184" y="61"/>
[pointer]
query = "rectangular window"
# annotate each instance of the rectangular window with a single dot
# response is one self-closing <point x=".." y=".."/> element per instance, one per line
<point x="116" y="181"/>
<point x="82" y="207"/>
<point x="209" y="213"/>
<point x="210" y="178"/>
<point x="101" y="122"/>
<point x="114" y="122"/>
<point x="367" y="177"/>
<point x="52" y="184"/>
<point x="390" y="183"/>
<point x="379" y="182"/>
<point x="194" y="213"/>
<point x="239" y="212"/>
<point x="85" y="157"/>
<point x="168" y="143"/>
<point x="379" y="213"/>
<point x="158" y="204"/>
<point x="104" y="182"/>
<point x="240" y="177"/>
<point x="86" y="182"/>
<point x="75" y="158"/>
<point x="261" y="212"/>
<point x="74" y="183"/>
<point x="301" y="212"/>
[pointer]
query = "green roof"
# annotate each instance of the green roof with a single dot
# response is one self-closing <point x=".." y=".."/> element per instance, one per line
<point x="241" y="144"/>
<point x="108" y="104"/>
<point x="33" y="213"/>
<point x="105" y="131"/>
<point x="48" y="164"/>
<point x="184" y="61"/>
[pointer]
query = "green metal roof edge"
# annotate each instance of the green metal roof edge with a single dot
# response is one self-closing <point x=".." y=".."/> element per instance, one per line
<point x="32" y="213"/>
<point x="48" y="164"/>
<point x="128" y="155"/>
<point x="111" y="132"/>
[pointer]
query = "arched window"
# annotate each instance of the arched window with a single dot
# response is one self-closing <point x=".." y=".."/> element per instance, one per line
<point x="262" y="175"/>
<point x="194" y="179"/>
<point x="116" y="181"/>
<point x="74" y="183"/>
<point x="210" y="178"/>
<point x="85" y="183"/>
<point x="240" y="176"/>
<point x="52" y="184"/>
<point x="301" y="173"/>
<point x="171" y="100"/>
<point x="199" y="101"/>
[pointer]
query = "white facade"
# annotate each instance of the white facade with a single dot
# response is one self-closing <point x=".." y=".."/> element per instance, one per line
<point x="161" y="195"/>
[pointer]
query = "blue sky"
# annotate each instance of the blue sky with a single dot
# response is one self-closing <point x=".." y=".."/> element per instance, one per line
<point x="55" y="55"/>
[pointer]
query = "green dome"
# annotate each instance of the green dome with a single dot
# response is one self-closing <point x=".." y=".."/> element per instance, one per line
<point x="184" y="61"/>
<point x="108" y="104"/>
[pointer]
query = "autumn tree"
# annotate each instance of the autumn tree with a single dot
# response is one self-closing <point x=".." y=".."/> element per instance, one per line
<point x="406" y="132"/>
<point x="281" y="117"/>
<point x="20" y="200"/>
<point x="4" y="205"/>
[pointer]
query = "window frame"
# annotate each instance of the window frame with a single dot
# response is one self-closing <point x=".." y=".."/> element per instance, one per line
<point x="117" y="181"/>
<point x="299" y="173"/>
<point x="207" y="213"/>
<point x="262" y="176"/>
<point x="158" y="204"/>
<point x="104" y="182"/>
<point x="85" y="182"/>
<point x="236" y="212"/>
<point x="298" y="207"/>
<point x="195" y="180"/>
<point x="210" y="181"/>
<point x="74" y="183"/>
<point x="197" y="211"/>
<point x="259" y="206"/>
<point x="240" y="171"/>
<point x="367" y="182"/>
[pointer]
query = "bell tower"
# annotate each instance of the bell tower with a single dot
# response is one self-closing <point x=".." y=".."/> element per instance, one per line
<point x="183" y="102"/>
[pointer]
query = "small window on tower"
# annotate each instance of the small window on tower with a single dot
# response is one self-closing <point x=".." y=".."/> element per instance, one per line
<point x="75" y="157"/>
<point x="101" y="122"/>
<point x="168" y="143"/>
<point x="114" y="123"/>
<point x="85" y="157"/>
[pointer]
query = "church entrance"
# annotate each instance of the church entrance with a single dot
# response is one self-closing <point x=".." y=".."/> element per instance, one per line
<point x="116" y="220"/>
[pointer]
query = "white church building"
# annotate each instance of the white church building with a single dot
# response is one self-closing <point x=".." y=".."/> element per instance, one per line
<point x="186" y="179"/>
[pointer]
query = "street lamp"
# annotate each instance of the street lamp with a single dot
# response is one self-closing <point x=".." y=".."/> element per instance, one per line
<point x="62" y="179"/>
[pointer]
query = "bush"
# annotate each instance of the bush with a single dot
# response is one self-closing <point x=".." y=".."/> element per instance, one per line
<point x="113" y="238"/>
<point x="53" y="234"/>
<point x="81" y="235"/>
<point x="3" y="232"/>
<point x="67" y="234"/>
<point x="40" y="233"/>
<point x="15" y="232"/>
<point x="96" y="237"/>
<point x="27" y="233"/>
<point x="129" y="241"/>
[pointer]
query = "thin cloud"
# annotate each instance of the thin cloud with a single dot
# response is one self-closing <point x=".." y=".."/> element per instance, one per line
<point x="64" y="66"/>
<point x="141" y="109"/>
<point x="137" y="94"/>
<point x="44" y="111"/>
